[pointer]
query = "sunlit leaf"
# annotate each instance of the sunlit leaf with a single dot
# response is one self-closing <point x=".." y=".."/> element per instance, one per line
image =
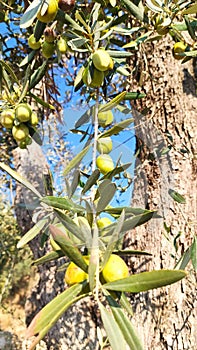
<point x="134" y="95"/>
<point x="69" y="224"/>
<point x="192" y="9"/>
<point x="176" y="196"/>
<point x="30" y="14"/>
<point x="53" y="255"/>
<point x="112" y="329"/>
<point x="194" y="253"/>
<point x="113" y="239"/>
<point x="117" y="128"/>
<point x="125" y="325"/>
<point x="33" y="232"/>
<point x="63" y="203"/>
<point x="9" y="70"/>
<point x="20" y="179"/>
<point x="38" y="74"/>
<point x="137" y="11"/>
<point x="113" y="103"/>
<point x="76" y="160"/>
<point x="74" y="24"/>
<point x="84" y="119"/>
<point x="42" y="102"/>
<point x="146" y="280"/>
<point x="49" y="315"/>
<point x="128" y="252"/>
<point x="106" y="191"/>
<point x="184" y="260"/>
<point x="27" y="58"/>
<point x="92" y="180"/>
<point x="68" y="248"/>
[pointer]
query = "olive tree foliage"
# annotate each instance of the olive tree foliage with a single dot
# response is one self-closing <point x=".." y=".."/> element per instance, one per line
<point x="90" y="45"/>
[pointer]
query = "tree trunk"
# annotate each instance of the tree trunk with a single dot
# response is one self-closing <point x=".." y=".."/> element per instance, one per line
<point x="77" y="328"/>
<point x="166" y="317"/>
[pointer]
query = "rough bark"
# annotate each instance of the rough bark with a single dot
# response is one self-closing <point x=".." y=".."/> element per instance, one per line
<point x="77" y="328"/>
<point x="166" y="318"/>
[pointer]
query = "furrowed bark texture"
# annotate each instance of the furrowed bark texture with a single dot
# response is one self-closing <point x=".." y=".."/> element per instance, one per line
<point x="77" y="328"/>
<point x="166" y="317"/>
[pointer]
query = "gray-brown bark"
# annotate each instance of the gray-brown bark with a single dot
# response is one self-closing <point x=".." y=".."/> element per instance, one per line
<point x="166" y="318"/>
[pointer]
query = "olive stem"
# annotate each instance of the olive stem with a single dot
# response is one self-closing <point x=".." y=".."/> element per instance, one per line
<point x="95" y="249"/>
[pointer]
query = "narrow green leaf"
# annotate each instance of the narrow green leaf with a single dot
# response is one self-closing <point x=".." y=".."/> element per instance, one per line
<point x="119" y="54"/>
<point x="39" y="29"/>
<point x="33" y="232"/>
<point x="117" y="170"/>
<point x="85" y="117"/>
<point x="125" y="325"/>
<point x="134" y="95"/>
<point x="38" y="75"/>
<point x="176" y="196"/>
<point x="76" y="160"/>
<point x="135" y="221"/>
<point x="112" y="329"/>
<point x="128" y="252"/>
<point x="191" y="10"/>
<point x="126" y="304"/>
<point x="92" y="180"/>
<point x="184" y="260"/>
<point x="63" y="203"/>
<point x="9" y="70"/>
<point x="76" y="43"/>
<point x="74" y="183"/>
<point x="48" y="316"/>
<point x="69" y="224"/>
<point x="113" y="239"/>
<point x="146" y="280"/>
<point x="53" y="255"/>
<point x="27" y="58"/>
<point x="68" y="248"/>
<point x="42" y="102"/>
<point x="194" y="253"/>
<point x="190" y="29"/>
<point x="113" y="103"/>
<point x="117" y="128"/>
<point x="74" y="24"/>
<point x="106" y="192"/>
<point x="136" y="11"/>
<point x="20" y="179"/>
<point x="30" y="14"/>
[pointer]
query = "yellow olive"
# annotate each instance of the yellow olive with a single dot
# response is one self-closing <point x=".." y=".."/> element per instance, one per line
<point x="50" y="13"/>
<point x="104" y="145"/>
<point x="62" y="45"/>
<point x="105" y="118"/>
<point x="33" y="44"/>
<point x="7" y="118"/>
<point x="20" y="132"/>
<point x="103" y="222"/>
<point x="34" y="119"/>
<point x="104" y="163"/>
<point x="101" y="60"/>
<point x="178" y="47"/>
<point x="97" y="78"/>
<point x="74" y="274"/>
<point x="23" y="112"/>
<point x="115" y="269"/>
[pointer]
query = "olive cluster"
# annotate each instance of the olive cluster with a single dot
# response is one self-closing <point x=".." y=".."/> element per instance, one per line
<point x="50" y="42"/>
<point x="98" y="67"/>
<point x="104" y="161"/>
<point x="19" y="120"/>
